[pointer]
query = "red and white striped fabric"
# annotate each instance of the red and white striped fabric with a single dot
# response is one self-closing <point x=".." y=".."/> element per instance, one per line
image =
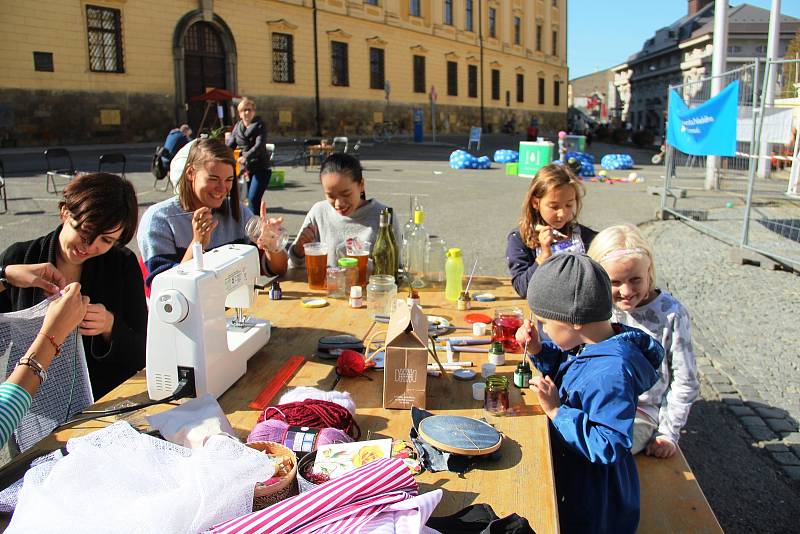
<point x="344" y="505"/>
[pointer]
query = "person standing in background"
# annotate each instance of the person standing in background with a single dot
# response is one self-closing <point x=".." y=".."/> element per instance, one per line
<point x="250" y="135"/>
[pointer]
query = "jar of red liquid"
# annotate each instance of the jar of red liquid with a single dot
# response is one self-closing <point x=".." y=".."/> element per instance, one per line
<point x="495" y="397"/>
<point x="504" y="327"/>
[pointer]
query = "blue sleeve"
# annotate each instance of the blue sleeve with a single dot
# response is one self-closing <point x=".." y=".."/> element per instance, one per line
<point x="14" y="404"/>
<point x="596" y="419"/>
<point x="521" y="263"/>
<point x="157" y="244"/>
<point x="549" y="359"/>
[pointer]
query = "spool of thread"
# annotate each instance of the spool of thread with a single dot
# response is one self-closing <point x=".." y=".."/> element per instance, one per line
<point x="274" y="430"/>
<point x="197" y="255"/>
<point x="478" y="389"/>
<point x="478" y="329"/>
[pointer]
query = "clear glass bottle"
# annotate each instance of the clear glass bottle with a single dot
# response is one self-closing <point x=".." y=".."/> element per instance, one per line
<point x="417" y="248"/>
<point x="496" y="398"/>
<point x="381" y="295"/>
<point x="336" y="282"/>
<point x="384" y="255"/>
<point x="407" y="229"/>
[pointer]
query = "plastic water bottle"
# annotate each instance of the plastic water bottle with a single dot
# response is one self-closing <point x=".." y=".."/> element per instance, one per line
<point x="454" y="272"/>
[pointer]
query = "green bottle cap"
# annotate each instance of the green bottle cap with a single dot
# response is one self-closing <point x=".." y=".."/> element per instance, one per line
<point x="348" y="262"/>
<point x="497" y="348"/>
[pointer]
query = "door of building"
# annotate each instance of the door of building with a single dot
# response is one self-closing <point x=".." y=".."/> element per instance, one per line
<point x="205" y="68"/>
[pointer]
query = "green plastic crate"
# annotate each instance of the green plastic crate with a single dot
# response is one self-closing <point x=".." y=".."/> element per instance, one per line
<point x="512" y="169"/>
<point x="277" y="180"/>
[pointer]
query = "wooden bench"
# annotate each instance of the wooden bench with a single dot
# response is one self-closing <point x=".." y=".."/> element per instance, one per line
<point x="672" y="500"/>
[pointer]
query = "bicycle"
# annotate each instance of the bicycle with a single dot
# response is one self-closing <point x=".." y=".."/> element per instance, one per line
<point x="382" y="132"/>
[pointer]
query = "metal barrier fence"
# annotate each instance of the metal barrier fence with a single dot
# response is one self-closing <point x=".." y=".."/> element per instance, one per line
<point x="751" y="200"/>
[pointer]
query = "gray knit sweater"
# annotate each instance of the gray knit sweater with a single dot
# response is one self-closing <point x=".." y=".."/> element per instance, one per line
<point x="334" y="229"/>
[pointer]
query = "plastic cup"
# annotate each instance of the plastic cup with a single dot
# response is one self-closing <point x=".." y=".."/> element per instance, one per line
<point x="271" y="240"/>
<point x="359" y="250"/>
<point x="316" y="264"/>
<point x="487" y="370"/>
<point x="478" y="390"/>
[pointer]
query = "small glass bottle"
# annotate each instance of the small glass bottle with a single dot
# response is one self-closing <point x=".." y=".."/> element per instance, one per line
<point x="495" y="399"/>
<point x="464" y="302"/>
<point x="497" y="355"/>
<point x="350" y="266"/>
<point x="522" y="375"/>
<point x="275" y="292"/>
<point x="381" y="295"/>
<point x="413" y="297"/>
<point x="356" y="299"/>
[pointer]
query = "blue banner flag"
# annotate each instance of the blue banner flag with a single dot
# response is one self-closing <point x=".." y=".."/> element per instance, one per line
<point x="707" y="130"/>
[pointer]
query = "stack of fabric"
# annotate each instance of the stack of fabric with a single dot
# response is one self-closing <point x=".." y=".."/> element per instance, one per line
<point x="615" y="162"/>
<point x="461" y="159"/>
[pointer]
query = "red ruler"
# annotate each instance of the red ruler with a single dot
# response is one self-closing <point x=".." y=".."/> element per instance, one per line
<point x="278" y="381"/>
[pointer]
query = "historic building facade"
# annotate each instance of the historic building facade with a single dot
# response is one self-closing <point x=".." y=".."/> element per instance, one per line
<point x="121" y="70"/>
<point x="682" y="52"/>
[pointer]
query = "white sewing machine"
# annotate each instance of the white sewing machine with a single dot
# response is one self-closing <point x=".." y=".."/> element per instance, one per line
<point x="188" y="335"/>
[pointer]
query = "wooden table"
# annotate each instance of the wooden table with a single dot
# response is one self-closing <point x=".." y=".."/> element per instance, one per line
<point x="521" y="481"/>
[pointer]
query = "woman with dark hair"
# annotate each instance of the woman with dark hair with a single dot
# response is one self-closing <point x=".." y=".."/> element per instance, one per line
<point x="99" y="212"/>
<point x="344" y="214"/>
<point x="206" y="210"/>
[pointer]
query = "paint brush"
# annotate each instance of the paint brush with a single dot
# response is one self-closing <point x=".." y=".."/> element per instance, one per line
<point x="470" y="276"/>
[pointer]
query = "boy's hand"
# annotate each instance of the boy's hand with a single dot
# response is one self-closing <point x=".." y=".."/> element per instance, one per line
<point x="528" y="333"/>
<point x="661" y="447"/>
<point x="548" y="395"/>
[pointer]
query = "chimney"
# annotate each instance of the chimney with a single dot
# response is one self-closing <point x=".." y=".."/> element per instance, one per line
<point x="697" y="5"/>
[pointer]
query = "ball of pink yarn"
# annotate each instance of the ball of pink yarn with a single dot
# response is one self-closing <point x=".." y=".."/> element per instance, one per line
<point x="275" y="430"/>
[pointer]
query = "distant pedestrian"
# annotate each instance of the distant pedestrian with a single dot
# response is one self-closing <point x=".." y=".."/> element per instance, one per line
<point x="250" y="135"/>
<point x="176" y="139"/>
<point x="664" y="409"/>
<point x="548" y="225"/>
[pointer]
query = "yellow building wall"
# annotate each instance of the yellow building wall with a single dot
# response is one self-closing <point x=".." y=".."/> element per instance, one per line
<point x="148" y="27"/>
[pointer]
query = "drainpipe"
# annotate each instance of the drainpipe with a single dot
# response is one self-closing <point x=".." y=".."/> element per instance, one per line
<point x="480" y="44"/>
<point x="317" y="120"/>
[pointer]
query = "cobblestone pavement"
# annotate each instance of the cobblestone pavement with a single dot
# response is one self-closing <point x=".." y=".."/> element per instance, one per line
<point x="745" y="324"/>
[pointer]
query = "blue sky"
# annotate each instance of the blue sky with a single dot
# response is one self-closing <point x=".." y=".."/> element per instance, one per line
<point x="604" y="33"/>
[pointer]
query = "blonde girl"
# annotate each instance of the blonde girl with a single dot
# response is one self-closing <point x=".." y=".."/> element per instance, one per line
<point x="663" y="410"/>
<point x="548" y="224"/>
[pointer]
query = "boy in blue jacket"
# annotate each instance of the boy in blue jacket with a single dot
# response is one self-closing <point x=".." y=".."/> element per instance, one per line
<point x="593" y="372"/>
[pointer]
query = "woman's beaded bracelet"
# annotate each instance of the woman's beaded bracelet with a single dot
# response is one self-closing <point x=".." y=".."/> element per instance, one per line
<point x="52" y="341"/>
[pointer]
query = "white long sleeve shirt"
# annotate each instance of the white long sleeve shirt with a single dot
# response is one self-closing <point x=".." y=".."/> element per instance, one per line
<point x="668" y="402"/>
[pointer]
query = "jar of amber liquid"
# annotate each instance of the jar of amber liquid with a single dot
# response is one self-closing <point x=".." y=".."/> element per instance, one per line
<point x="495" y="397"/>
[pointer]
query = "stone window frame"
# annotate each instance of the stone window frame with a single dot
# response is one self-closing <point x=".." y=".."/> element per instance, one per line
<point x="289" y="56"/>
<point x="117" y="65"/>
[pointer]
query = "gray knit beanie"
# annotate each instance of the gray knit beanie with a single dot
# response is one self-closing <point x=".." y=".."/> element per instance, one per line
<point x="571" y="288"/>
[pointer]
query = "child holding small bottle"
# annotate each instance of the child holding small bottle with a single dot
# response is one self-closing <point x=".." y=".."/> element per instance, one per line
<point x="548" y="224"/>
<point x="663" y="409"/>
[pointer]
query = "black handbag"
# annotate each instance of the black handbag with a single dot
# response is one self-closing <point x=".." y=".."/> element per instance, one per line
<point x="330" y="347"/>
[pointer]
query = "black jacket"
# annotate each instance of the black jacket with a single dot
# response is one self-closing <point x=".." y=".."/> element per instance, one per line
<point x="113" y="280"/>
<point x="252" y="141"/>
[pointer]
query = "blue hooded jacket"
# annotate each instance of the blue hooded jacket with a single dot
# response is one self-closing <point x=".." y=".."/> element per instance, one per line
<point x="596" y="478"/>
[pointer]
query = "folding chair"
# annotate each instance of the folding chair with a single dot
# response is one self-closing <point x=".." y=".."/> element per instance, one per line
<point x="55" y="158"/>
<point x="271" y="150"/>
<point x="3" y="192"/>
<point x="340" y="145"/>
<point x="114" y="158"/>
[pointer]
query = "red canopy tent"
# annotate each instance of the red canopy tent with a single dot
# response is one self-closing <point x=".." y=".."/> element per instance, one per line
<point x="211" y="95"/>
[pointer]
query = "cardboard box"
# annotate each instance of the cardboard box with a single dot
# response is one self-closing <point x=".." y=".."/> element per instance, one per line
<point x="406" y="362"/>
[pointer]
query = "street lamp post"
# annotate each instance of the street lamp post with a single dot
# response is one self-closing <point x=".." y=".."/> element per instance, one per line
<point x="480" y="44"/>
<point x="318" y="132"/>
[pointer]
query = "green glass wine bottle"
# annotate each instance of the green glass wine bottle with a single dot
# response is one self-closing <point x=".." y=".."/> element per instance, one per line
<point x="384" y="252"/>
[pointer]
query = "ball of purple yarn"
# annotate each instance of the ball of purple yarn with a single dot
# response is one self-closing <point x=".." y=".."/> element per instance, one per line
<point x="274" y="430"/>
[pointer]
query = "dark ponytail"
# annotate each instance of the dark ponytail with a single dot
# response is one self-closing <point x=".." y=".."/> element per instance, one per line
<point x="345" y="164"/>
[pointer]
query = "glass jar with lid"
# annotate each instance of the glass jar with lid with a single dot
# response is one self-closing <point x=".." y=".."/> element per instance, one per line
<point x="337" y="283"/>
<point x="495" y="397"/>
<point x="350" y="266"/>
<point x="381" y="295"/>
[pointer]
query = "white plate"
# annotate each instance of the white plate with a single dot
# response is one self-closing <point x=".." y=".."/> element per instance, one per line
<point x="438" y="325"/>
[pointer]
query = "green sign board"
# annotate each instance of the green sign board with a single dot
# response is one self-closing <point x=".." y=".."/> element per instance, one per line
<point x="533" y="156"/>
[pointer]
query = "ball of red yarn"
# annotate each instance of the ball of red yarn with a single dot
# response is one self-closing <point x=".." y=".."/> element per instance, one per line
<point x="350" y="364"/>
<point x="314" y="413"/>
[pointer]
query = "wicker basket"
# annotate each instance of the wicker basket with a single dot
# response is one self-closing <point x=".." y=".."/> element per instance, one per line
<point x="304" y="485"/>
<point x="264" y="496"/>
